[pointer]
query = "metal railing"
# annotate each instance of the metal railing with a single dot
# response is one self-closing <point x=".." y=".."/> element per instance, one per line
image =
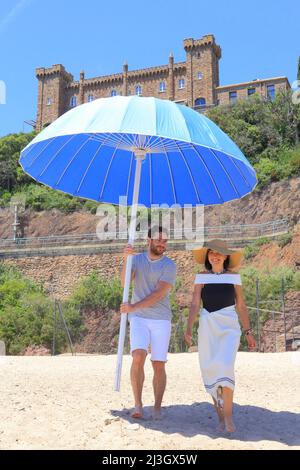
<point x="228" y="232"/>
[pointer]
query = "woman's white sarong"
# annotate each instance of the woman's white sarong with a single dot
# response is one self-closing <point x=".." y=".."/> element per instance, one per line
<point x="218" y="338"/>
<point x="218" y="342"/>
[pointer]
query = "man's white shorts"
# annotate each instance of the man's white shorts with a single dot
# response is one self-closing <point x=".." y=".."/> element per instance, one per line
<point x="145" y="332"/>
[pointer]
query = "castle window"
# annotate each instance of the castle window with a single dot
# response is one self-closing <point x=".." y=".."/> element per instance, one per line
<point x="73" y="102"/>
<point x="251" y="91"/>
<point x="49" y="101"/>
<point x="138" y="90"/>
<point x="271" y="92"/>
<point x="162" y="87"/>
<point x="232" y="96"/>
<point x="90" y="98"/>
<point x="113" y="92"/>
<point x="200" y="102"/>
<point x="200" y="75"/>
<point x="181" y="83"/>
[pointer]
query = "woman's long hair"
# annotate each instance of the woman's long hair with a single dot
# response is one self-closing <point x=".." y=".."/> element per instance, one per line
<point x="209" y="266"/>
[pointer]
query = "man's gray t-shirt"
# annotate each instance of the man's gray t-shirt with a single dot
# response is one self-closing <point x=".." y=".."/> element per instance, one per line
<point x="147" y="274"/>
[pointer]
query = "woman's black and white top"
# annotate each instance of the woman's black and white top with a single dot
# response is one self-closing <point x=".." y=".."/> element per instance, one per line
<point x="218" y="290"/>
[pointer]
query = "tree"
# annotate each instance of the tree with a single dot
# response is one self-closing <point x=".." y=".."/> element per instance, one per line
<point x="10" y="148"/>
<point x="259" y="127"/>
<point x="26" y="314"/>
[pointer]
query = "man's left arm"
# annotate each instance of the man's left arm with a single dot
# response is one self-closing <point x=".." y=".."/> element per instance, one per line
<point x="164" y="285"/>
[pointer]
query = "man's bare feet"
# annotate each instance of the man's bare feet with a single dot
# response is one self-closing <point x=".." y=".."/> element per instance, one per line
<point x="156" y="414"/>
<point x="229" y="425"/>
<point x="137" y="412"/>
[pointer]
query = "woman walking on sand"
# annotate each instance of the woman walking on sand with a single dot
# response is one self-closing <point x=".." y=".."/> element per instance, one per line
<point x="220" y="289"/>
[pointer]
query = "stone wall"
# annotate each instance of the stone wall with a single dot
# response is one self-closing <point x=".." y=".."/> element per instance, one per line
<point x="60" y="274"/>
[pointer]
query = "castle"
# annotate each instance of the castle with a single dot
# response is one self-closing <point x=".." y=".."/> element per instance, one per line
<point x="194" y="82"/>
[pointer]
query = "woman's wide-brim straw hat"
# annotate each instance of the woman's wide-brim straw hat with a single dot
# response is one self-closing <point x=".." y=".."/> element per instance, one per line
<point x="235" y="256"/>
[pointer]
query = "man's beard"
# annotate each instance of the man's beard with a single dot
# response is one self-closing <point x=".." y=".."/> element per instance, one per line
<point x="157" y="251"/>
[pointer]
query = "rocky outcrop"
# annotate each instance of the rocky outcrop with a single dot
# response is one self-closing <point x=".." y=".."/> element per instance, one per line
<point x="278" y="200"/>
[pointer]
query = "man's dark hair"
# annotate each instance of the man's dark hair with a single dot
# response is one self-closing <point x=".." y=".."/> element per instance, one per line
<point x="155" y="229"/>
<point x="209" y="266"/>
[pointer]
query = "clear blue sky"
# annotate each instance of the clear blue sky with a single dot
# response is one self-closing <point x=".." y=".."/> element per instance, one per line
<point x="259" y="39"/>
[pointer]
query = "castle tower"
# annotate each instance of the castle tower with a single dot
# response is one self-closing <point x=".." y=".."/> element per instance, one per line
<point x="202" y="70"/>
<point x="81" y="88"/>
<point x="125" y="79"/>
<point x="52" y="82"/>
<point x="171" y="77"/>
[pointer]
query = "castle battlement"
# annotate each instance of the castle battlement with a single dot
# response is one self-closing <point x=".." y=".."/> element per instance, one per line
<point x="194" y="82"/>
<point x="208" y="40"/>
<point x="56" y="69"/>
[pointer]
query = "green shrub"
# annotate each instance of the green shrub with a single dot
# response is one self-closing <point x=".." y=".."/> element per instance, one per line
<point x="267" y="171"/>
<point x="252" y="248"/>
<point x="26" y="314"/>
<point x="95" y="291"/>
<point x="266" y="132"/>
<point x="277" y="164"/>
<point x="5" y="197"/>
<point x="91" y="206"/>
<point x="284" y="240"/>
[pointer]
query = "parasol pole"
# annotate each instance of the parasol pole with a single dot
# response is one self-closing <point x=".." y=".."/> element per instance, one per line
<point x="140" y="155"/>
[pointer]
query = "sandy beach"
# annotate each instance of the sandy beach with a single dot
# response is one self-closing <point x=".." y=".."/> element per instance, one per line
<point x="67" y="402"/>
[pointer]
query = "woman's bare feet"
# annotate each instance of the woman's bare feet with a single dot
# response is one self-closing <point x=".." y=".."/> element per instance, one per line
<point x="229" y="425"/>
<point x="221" y="426"/>
<point x="137" y="412"/>
<point x="220" y="413"/>
<point x="220" y="400"/>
